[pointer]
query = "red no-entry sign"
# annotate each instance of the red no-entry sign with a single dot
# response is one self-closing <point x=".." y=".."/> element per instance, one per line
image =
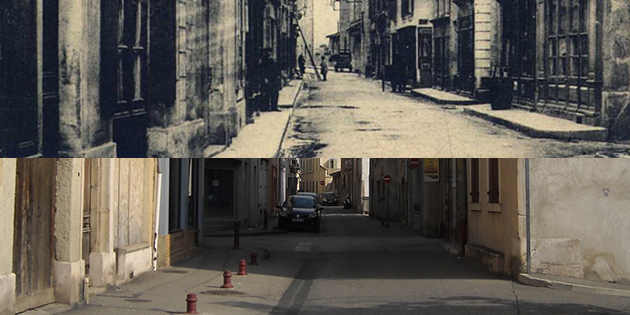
<point x="387" y="179"/>
<point x="322" y="183"/>
<point x="414" y="163"/>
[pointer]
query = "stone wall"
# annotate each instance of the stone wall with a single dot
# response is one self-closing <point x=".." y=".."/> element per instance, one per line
<point x="616" y="68"/>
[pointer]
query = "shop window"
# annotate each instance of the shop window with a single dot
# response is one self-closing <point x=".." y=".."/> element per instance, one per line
<point x="568" y="51"/>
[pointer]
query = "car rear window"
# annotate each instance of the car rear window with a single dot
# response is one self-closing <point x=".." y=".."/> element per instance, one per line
<point x="303" y="202"/>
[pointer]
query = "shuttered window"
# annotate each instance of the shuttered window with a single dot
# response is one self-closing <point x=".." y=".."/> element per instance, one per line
<point x="493" y="180"/>
<point x="474" y="180"/>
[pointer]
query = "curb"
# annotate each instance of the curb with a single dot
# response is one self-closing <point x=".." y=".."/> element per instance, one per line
<point x="599" y="136"/>
<point x="442" y="101"/>
<point x="566" y="286"/>
<point x="248" y="233"/>
<point x="286" y="126"/>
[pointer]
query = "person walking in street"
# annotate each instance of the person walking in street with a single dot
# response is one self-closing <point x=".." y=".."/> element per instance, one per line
<point x="302" y="65"/>
<point x="270" y="72"/>
<point x="324" y="66"/>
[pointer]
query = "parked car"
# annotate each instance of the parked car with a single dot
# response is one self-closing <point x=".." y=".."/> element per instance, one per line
<point x="343" y="61"/>
<point x="314" y="195"/>
<point x="300" y="211"/>
<point x="330" y="199"/>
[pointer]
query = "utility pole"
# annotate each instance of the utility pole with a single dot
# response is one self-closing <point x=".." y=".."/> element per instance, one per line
<point x="310" y="55"/>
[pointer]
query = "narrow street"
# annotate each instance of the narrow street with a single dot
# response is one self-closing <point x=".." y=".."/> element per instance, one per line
<point x="350" y="116"/>
<point x="352" y="266"/>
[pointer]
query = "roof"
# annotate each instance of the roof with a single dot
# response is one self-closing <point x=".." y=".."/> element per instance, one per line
<point x="333" y="35"/>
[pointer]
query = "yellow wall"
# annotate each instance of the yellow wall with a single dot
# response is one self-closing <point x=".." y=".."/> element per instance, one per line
<point x="496" y="227"/>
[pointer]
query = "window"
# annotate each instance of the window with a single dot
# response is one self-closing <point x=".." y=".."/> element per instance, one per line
<point x="406" y="8"/>
<point x="474" y="180"/>
<point x="442" y="8"/>
<point x="493" y="181"/>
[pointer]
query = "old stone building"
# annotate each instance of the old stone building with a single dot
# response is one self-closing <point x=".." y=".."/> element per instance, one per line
<point x="95" y="221"/>
<point x="563" y="58"/>
<point x="134" y="78"/>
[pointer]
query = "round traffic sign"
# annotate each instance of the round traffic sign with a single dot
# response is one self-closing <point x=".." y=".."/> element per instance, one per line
<point x="387" y="179"/>
<point x="322" y="183"/>
<point x="414" y="163"/>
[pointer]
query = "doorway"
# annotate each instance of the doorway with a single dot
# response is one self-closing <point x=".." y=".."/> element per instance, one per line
<point x="125" y="73"/>
<point x="33" y="236"/>
<point x="219" y="193"/>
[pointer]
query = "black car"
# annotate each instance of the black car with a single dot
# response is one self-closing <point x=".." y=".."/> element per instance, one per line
<point x="330" y="199"/>
<point x="343" y="61"/>
<point x="300" y="211"/>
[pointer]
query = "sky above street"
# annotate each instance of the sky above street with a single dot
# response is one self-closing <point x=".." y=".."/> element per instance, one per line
<point x="326" y="20"/>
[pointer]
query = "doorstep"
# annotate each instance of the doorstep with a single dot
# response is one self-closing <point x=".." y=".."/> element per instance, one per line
<point x="442" y="97"/>
<point x="538" y="125"/>
<point x="577" y="285"/>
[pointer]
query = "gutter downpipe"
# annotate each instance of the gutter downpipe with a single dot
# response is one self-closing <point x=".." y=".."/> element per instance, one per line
<point x="528" y="219"/>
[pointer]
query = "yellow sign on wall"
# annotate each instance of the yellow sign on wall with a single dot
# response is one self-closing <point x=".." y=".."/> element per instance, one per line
<point x="431" y="170"/>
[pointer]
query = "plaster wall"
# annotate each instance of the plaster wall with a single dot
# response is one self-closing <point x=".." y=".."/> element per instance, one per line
<point x="585" y="200"/>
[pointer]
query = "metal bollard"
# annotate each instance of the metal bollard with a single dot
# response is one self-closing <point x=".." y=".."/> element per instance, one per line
<point x="237" y="231"/>
<point x="191" y="305"/>
<point x="241" y="268"/>
<point x="254" y="260"/>
<point x="227" y="280"/>
<point x="265" y="227"/>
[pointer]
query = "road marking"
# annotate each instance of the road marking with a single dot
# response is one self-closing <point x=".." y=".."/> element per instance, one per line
<point x="303" y="247"/>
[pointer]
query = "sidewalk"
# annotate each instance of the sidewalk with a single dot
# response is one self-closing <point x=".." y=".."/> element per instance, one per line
<point x="263" y="138"/>
<point x="442" y="97"/>
<point x="578" y="285"/>
<point x="538" y="125"/>
<point x="164" y="291"/>
<point x="272" y="228"/>
<point x="554" y="282"/>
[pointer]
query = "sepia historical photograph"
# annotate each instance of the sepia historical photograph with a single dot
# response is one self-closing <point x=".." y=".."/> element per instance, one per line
<point x="266" y="78"/>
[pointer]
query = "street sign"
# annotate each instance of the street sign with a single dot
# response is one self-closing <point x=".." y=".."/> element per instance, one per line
<point x="322" y="183"/>
<point x="387" y="179"/>
<point x="414" y="163"/>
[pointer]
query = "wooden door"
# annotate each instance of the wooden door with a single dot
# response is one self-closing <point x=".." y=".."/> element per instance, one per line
<point x="441" y="58"/>
<point x="519" y="50"/>
<point x="465" y="80"/>
<point x="33" y="238"/>
<point x="125" y="39"/>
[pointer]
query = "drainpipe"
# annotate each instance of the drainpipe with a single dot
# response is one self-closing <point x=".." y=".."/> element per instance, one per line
<point x="527" y="218"/>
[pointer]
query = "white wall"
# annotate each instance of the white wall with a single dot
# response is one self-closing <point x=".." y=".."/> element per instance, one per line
<point x="587" y="200"/>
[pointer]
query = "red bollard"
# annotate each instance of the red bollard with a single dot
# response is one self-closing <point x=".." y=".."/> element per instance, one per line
<point x="254" y="259"/>
<point x="191" y="307"/>
<point x="227" y="280"/>
<point x="241" y="268"/>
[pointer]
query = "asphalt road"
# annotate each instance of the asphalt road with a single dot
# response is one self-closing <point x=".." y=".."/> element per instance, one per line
<point x="351" y="116"/>
<point x="356" y="266"/>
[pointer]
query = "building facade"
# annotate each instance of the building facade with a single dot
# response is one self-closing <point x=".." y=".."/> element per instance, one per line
<point x="134" y="78"/>
<point x="97" y="225"/>
<point x="562" y="58"/>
